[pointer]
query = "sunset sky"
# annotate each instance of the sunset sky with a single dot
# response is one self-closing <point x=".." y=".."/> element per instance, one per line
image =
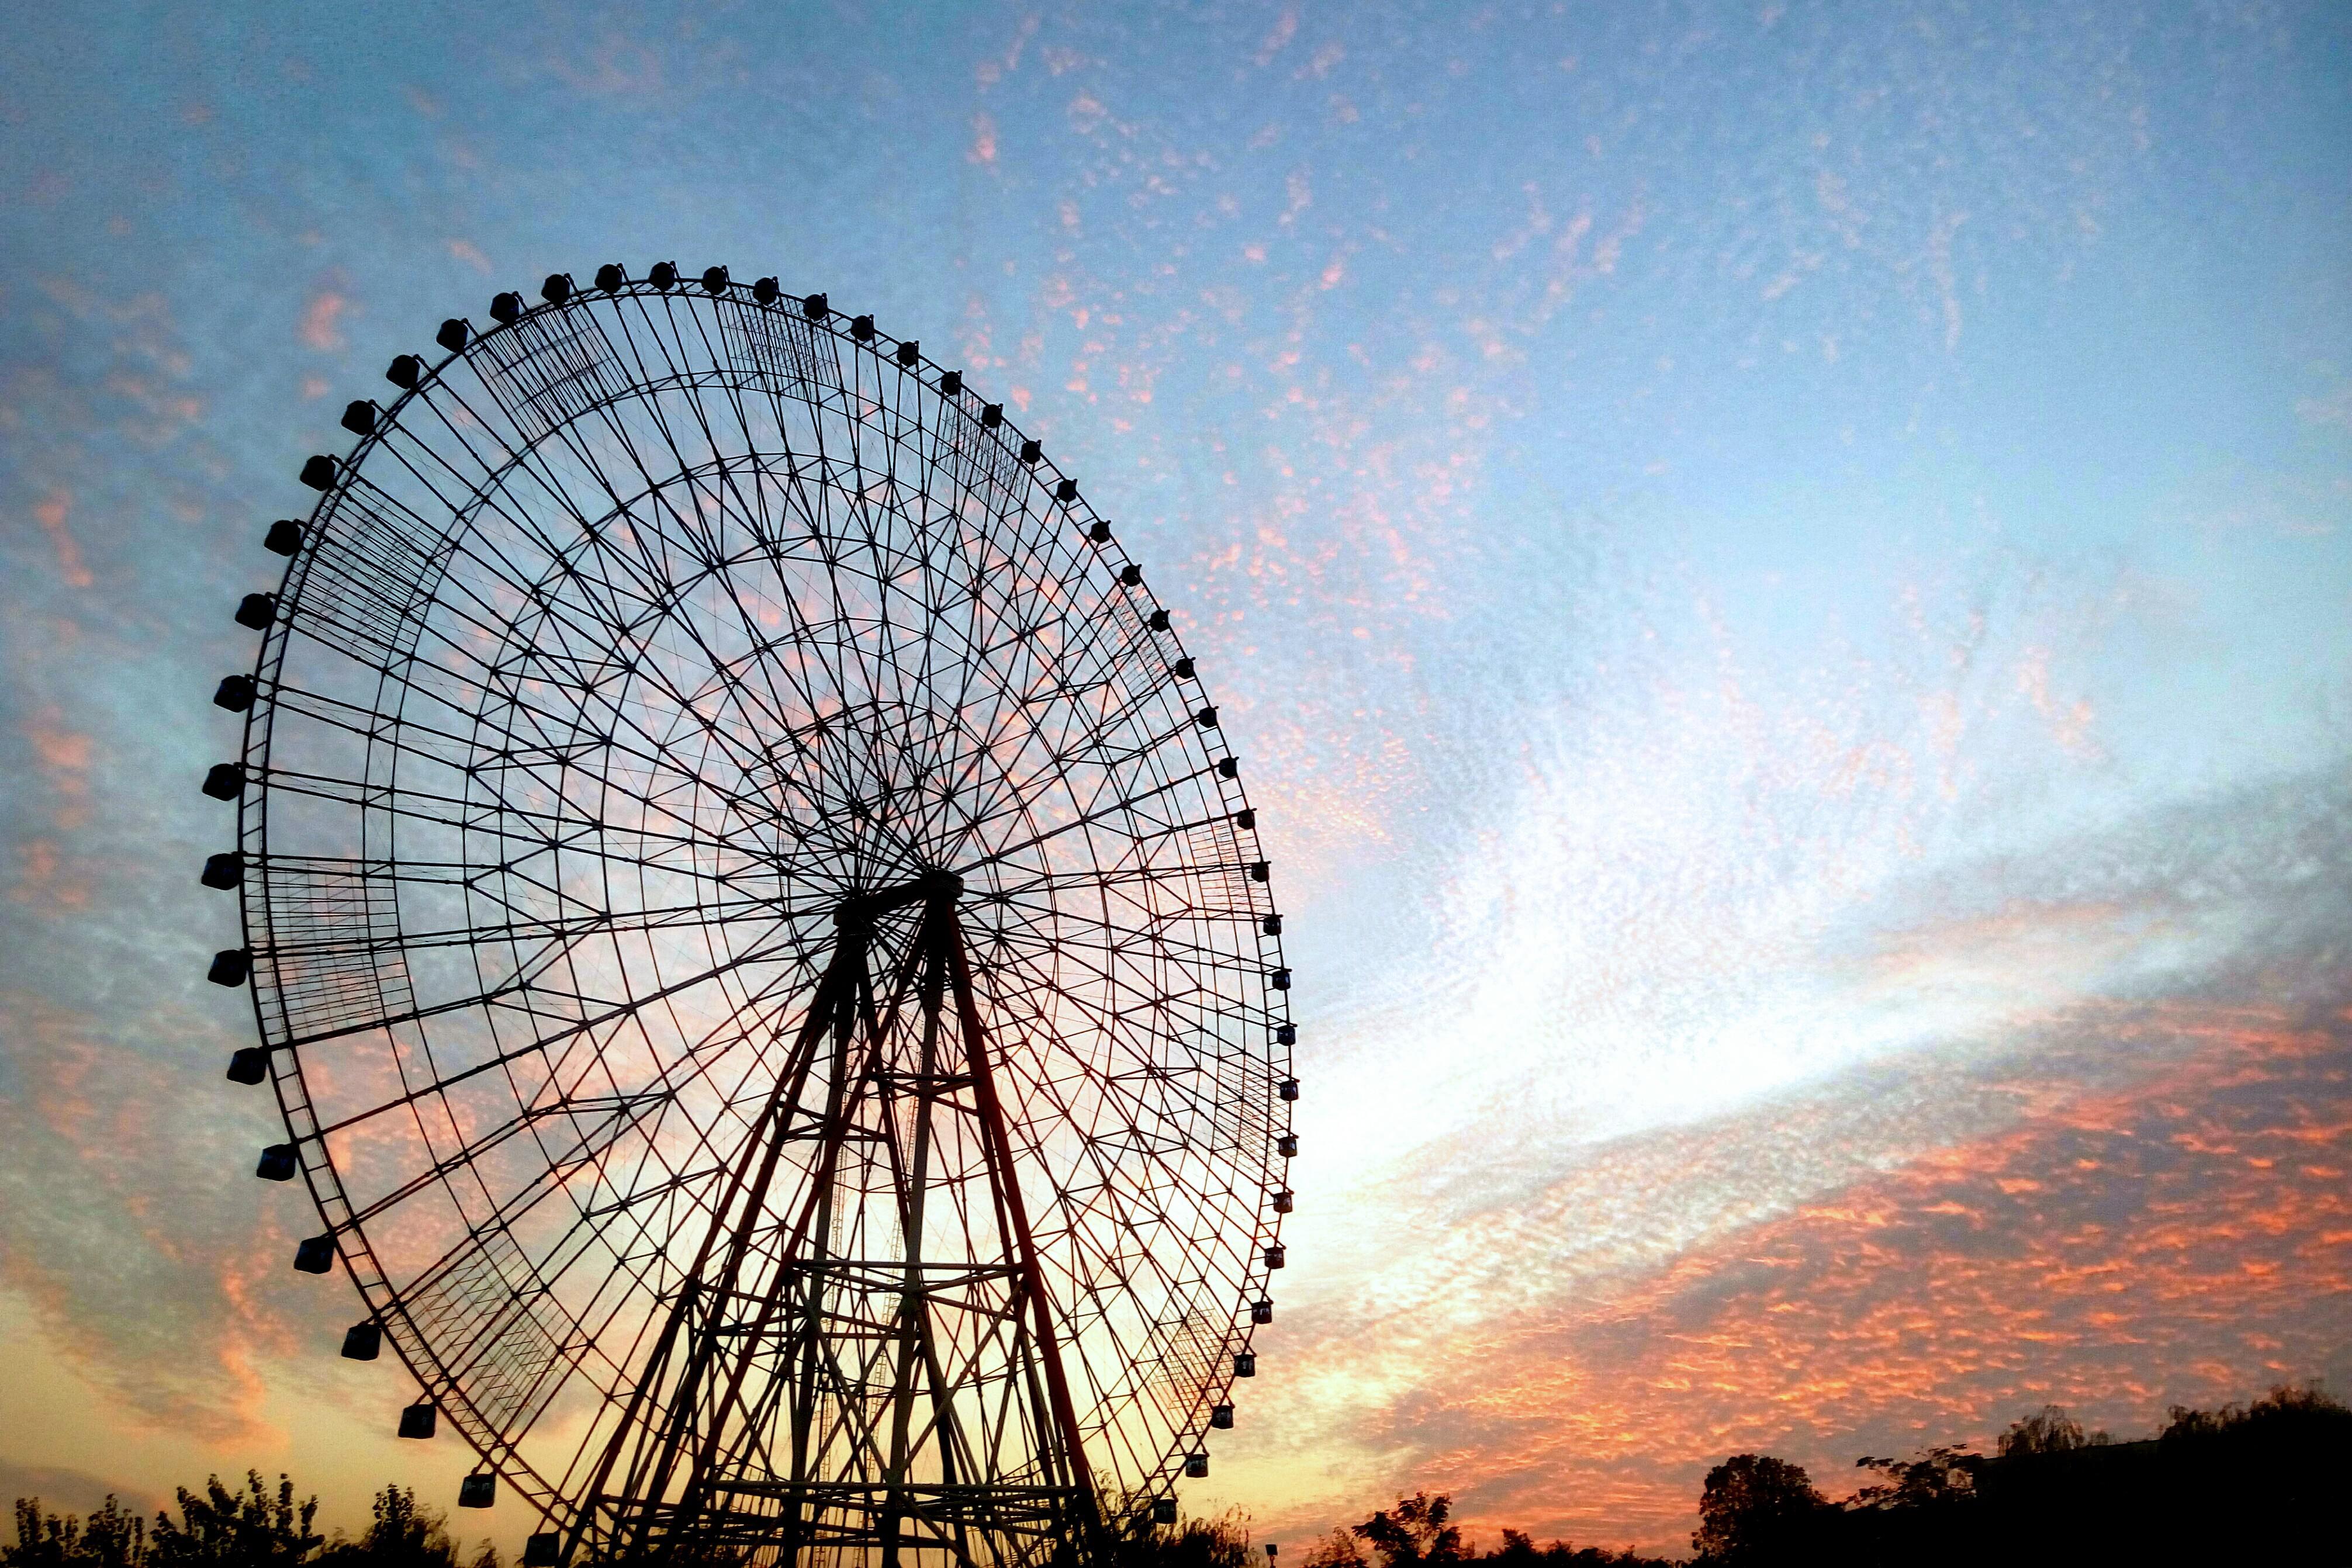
<point x="1783" y="573"/>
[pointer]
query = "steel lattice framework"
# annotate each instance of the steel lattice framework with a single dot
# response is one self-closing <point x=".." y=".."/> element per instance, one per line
<point x="759" y="942"/>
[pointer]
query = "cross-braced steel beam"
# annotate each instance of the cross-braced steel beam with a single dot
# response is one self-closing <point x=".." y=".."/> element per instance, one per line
<point x="863" y="1351"/>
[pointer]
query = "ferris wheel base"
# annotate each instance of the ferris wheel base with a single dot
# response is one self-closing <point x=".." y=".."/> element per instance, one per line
<point x="782" y="1523"/>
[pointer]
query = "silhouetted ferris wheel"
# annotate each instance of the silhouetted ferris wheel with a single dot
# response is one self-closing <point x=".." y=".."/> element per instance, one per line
<point x="759" y="942"/>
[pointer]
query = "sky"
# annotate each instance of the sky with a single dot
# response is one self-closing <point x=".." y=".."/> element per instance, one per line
<point x="1783" y="573"/>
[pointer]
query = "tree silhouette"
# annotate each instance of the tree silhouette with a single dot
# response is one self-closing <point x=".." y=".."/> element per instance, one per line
<point x="1758" y="1510"/>
<point x="252" y="1529"/>
<point x="1416" y="1532"/>
<point x="2255" y="1484"/>
<point x="1421" y="1524"/>
<point x="114" y="1537"/>
<point x="1939" y="1475"/>
<point x="2249" y="1485"/>
<point x="1338" y="1550"/>
<point x="2271" y="1473"/>
<point x="1519" y="1551"/>
<point x="402" y="1533"/>
<point x="2048" y="1430"/>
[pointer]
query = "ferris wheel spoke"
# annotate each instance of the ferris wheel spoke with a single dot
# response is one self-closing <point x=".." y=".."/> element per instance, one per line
<point x="762" y="1014"/>
<point x="547" y="833"/>
<point x="1007" y="852"/>
<point x="447" y="750"/>
<point x="653" y="588"/>
<point x="1112" y="1160"/>
<point x="637" y="661"/>
<point x="1180" y="956"/>
<point x="1009" y="795"/>
<point x="615" y="1111"/>
<point x="588" y="1148"/>
<point x="560" y="934"/>
<point x="1117" y="777"/>
<point x="501" y="1058"/>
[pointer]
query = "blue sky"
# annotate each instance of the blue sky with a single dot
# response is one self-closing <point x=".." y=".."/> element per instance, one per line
<point x="1783" y="572"/>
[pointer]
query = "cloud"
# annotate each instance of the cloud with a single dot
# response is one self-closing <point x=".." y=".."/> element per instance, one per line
<point x="63" y="1489"/>
<point x="318" y="329"/>
<point x="2101" y="1167"/>
<point x="118" y="1224"/>
<point x="1277" y="38"/>
<point x="50" y="513"/>
<point x="43" y="880"/>
<point x="64" y="756"/>
<point x="2182" y="1237"/>
<point x="1940" y="269"/>
<point x="2333" y="408"/>
<point x="612" y="64"/>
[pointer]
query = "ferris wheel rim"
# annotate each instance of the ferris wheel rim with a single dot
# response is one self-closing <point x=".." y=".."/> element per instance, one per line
<point x="352" y="1246"/>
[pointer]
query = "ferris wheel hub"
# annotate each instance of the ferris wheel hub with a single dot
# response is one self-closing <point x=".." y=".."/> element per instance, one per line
<point x="931" y="887"/>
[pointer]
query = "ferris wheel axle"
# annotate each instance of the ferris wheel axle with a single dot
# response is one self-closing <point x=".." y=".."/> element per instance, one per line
<point x="936" y="887"/>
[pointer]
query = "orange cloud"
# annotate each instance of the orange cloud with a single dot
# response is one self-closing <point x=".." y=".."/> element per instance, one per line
<point x="2115" y="1251"/>
<point x="40" y="881"/>
<point x="171" y="1330"/>
<point x="51" y="515"/>
<point x="64" y="757"/>
<point x="318" y="329"/>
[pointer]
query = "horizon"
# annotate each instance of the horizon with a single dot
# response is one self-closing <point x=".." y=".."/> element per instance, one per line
<point x="1784" y="581"/>
<point x="2046" y="1433"/>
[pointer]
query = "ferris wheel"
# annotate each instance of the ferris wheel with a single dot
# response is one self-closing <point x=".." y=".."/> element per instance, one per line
<point x="759" y="942"/>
